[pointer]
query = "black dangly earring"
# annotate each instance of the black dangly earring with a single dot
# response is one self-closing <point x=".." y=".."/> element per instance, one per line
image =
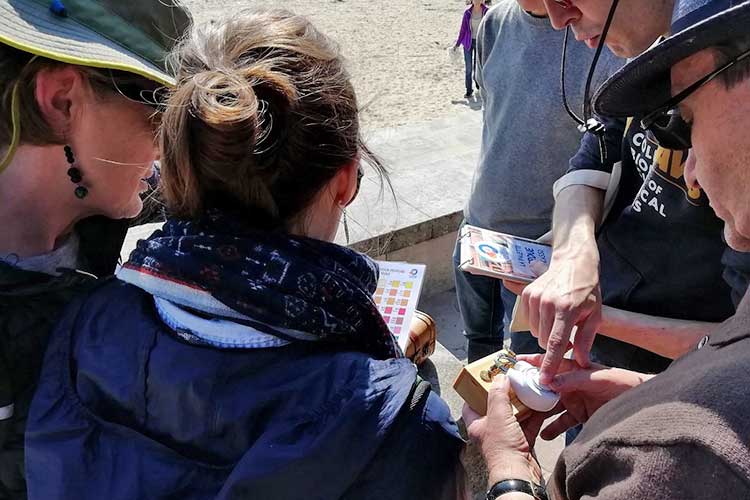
<point x="75" y="174"/>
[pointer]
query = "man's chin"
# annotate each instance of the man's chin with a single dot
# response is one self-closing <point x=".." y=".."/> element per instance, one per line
<point x="621" y="52"/>
<point x="735" y="240"/>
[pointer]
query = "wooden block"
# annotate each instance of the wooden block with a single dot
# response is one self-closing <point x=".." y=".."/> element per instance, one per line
<point x="474" y="390"/>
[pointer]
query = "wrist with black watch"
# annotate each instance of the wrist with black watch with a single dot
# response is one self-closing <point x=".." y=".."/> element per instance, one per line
<point x="516" y="486"/>
<point x="504" y="471"/>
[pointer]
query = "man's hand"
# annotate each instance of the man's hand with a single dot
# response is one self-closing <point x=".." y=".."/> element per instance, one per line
<point x="565" y="296"/>
<point x="666" y="337"/>
<point x="500" y="437"/>
<point x="584" y="390"/>
<point x="568" y="294"/>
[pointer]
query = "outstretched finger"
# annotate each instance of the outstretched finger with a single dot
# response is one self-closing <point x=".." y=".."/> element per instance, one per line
<point x="556" y="348"/>
<point x="547" y="316"/>
<point x="534" y="422"/>
<point x="561" y="424"/>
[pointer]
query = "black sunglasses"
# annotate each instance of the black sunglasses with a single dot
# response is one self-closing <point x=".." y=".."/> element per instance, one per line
<point x="154" y="97"/>
<point x="138" y="90"/>
<point x="666" y="127"/>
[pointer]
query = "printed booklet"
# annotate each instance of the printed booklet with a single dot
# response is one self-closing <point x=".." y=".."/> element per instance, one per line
<point x="498" y="255"/>
<point x="397" y="296"/>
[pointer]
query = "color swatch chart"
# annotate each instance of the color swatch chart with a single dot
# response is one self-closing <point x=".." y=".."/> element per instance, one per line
<point x="397" y="296"/>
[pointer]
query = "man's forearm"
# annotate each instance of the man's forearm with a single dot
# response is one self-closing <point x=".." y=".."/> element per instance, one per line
<point x="578" y="209"/>
<point x="666" y="337"/>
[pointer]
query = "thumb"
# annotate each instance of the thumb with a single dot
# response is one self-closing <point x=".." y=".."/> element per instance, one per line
<point x="499" y="392"/>
<point x="576" y="380"/>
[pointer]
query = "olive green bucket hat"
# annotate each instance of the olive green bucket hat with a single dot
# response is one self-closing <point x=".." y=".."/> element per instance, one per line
<point x="127" y="35"/>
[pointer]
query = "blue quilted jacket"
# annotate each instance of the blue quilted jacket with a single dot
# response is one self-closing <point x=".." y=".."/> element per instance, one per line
<point x="126" y="409"/>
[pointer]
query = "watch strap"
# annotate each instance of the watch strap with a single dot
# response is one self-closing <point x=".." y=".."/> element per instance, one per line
<point x="516" y="486"/>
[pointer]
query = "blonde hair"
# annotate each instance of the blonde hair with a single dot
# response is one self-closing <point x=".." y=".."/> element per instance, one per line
<point x="262" y="117"/>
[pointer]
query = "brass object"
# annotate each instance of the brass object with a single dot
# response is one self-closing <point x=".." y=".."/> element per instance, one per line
<point x="474" y="381"/>
<point x="505" y="360"/>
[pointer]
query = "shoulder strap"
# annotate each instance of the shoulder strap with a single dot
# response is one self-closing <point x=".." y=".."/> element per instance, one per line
<point x="420" y="389"/>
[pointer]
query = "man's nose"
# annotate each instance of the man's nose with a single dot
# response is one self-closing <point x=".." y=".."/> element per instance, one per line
<point x="690" y="177"/>
<point x="561" y="16"/>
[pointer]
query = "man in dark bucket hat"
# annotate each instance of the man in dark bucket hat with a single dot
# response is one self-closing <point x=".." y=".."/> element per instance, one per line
<point x="613" y="277"/>
<point x="657" y="87"/>
<point x="684" y="433"/>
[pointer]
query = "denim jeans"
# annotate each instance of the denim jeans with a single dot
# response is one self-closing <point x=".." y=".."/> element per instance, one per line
<point x="470" y="59"/>
<point x="486" y="308"/>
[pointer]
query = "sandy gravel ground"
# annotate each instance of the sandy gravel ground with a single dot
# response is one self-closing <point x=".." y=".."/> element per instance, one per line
<point x="395" y="48"/>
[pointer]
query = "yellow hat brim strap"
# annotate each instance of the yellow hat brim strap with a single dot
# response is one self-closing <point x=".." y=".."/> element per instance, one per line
<point x="15" y="117"/>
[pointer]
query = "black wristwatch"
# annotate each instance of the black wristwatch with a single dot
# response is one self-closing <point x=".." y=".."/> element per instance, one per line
<point x="519" y="486"/>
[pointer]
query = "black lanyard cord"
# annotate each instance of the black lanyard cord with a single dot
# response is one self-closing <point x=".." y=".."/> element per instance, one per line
<point x="580" y="121"/>
<point x="587" y="101"/>
<point x="588" y="123"/>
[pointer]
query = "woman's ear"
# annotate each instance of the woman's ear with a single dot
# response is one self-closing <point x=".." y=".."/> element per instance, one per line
<point x="346" y="183"/>
<point x="58" y="93"/>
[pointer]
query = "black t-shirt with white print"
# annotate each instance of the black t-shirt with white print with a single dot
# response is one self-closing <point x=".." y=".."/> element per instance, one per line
<point x="661" y="245"/>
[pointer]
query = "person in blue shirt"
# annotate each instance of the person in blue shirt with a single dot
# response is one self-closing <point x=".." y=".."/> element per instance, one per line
<point x="521" y="155"/>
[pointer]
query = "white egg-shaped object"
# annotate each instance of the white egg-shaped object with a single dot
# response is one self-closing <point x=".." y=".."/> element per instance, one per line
<point x="524" y="379"/>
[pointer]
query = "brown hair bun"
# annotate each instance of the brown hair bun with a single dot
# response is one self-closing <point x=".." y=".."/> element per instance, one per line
<point x="263" y="116"/>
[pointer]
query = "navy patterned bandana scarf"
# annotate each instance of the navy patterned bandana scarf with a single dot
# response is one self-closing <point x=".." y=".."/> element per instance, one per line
<point x="291" y="287"/>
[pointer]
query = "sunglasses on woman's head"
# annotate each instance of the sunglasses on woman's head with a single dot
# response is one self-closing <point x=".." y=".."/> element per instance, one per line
<point x="666" y="127"/>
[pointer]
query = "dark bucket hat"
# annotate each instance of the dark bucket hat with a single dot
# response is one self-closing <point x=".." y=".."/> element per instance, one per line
<point x="127" y="35"/>
<point x="643" y="84"/>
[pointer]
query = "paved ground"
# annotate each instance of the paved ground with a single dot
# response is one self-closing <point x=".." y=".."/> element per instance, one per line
<point x="430" y="167"/>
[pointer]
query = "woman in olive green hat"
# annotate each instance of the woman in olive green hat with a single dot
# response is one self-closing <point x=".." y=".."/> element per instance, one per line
<point x="79" y="92"/>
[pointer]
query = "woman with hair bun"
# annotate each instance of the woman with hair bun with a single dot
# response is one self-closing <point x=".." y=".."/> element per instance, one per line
<point x="240" y="354"/>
